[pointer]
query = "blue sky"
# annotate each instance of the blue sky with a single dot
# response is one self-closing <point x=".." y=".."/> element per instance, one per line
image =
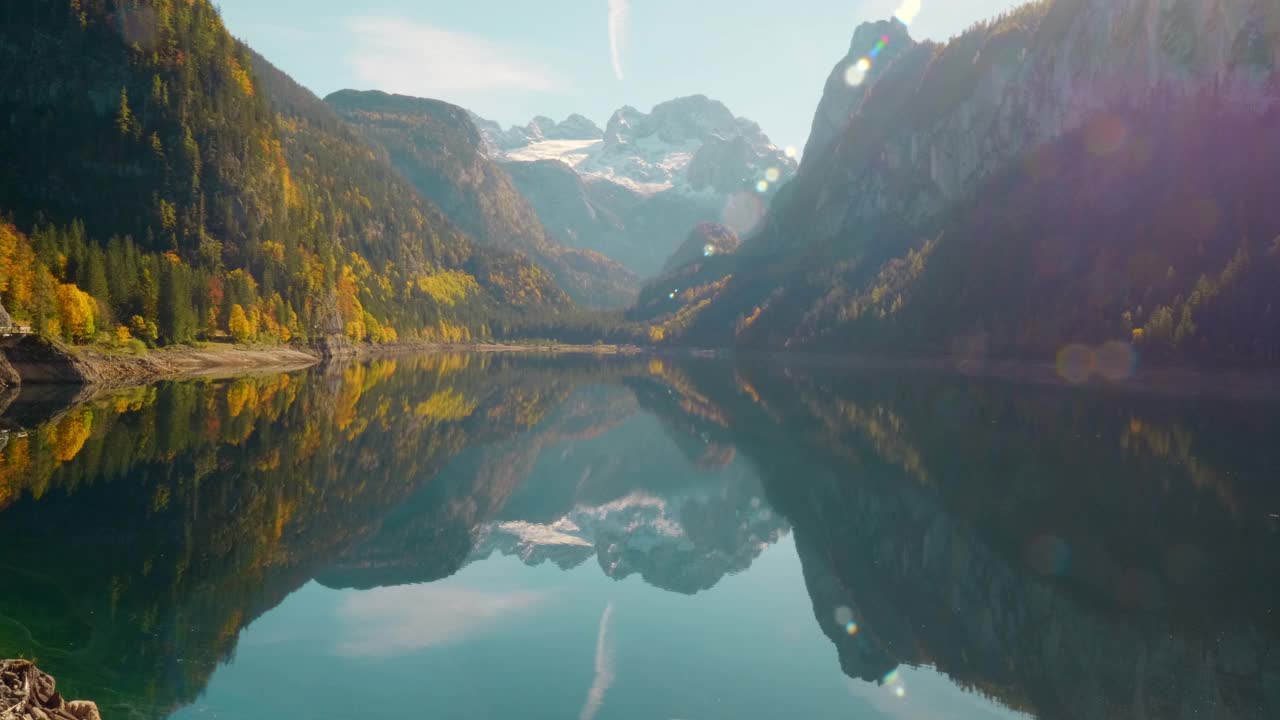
<point x="509" y="60"/>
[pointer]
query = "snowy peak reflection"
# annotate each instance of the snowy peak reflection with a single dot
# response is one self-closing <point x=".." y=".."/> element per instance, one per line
<point x="597" y="476"/>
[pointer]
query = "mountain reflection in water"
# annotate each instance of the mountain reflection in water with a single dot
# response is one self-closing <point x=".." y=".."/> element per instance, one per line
<point x="1007" y="549"/>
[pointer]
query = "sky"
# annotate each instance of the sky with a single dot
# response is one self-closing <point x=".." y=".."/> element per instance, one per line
<point x="509" y="60"/>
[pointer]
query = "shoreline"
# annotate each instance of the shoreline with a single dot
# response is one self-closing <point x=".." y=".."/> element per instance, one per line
<point x="1169" y="381"/>
<point x="92" y="369"/>
<point x="107" y="370"/>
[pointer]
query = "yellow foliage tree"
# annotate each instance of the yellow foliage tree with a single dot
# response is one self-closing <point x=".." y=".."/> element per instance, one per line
<point x="238" y="324"/>
<point x="76" y="312"/>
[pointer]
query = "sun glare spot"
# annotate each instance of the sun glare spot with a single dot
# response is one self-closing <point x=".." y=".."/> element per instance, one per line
<point x="708" y="250"/>
<point x="791" y="152"/>
<point x="908" y="11"/>
<point x="772" y="174"/>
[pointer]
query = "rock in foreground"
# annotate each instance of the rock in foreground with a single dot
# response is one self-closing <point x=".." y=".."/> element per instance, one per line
<point x="28" y="694"/>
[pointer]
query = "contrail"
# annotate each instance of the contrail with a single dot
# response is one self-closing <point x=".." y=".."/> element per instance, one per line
<point x="604" y="668"/>
<point x="618" y="12"/>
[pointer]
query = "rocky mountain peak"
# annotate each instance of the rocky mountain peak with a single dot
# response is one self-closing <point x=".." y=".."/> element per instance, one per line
<point x="866" y="35"/>
<point x="696" y="118"/>
<point x="576" y="127"/>
<point x="621" y="124"/>
<point x="874" y="47"/>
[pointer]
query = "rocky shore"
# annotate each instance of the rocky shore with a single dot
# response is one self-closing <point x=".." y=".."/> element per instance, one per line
<point x="26" y="693"/>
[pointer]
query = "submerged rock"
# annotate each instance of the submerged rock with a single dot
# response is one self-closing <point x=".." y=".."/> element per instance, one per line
<point x="26" y="693"/>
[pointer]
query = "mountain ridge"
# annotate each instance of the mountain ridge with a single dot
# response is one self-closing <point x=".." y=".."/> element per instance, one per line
<point x="440" y="150"/>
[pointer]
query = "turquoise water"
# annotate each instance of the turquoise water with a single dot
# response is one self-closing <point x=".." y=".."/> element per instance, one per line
<point x="494" y="537"/>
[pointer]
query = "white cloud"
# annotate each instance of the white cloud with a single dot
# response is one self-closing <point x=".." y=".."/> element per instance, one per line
<point x="393" y="621"/>
<point x="403" y="56"/>
<point x="619" y="13"/>
<point x="604" y="668"/>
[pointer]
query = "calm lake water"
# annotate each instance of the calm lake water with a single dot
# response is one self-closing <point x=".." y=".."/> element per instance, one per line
<point x="498" y="536"/>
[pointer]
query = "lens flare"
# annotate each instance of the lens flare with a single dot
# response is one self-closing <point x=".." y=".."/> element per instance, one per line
<point x="742" y="212"/>
<point x="772" y="174"/>
<point x="1076" y="363"/>
<point x="851" y="629"/>
<point x="890" y="678"/>
<point x="900" y="691"/>
<point x="708" y="250"/>
<point x="672" y="295"/>
<point x="791" y="152"/>
<point x="762" y="186"/>
<point x="1117" y="361"/>
<point x="1049" y="555"/>
<point x="1106" y="135"/>
<point x="844" y="615"/>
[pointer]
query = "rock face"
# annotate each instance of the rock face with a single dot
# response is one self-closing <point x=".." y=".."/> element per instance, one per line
<point x="640" y="231"/>
<point x="706" y="240"/>
<point x="1066" y="173"/>
<point x="32" y="359"/>
<point x="847" y="87"/>
<point x="441" y="151"/>
<point x="28" y="694"/>
<point x="646" y="179"/>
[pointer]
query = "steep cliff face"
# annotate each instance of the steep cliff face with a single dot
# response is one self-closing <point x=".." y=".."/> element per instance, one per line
<point x="441" y="151"/>
<point x="852" y="77"/>
<point x="968" y="110"/>
<point x="1075" y="171"/>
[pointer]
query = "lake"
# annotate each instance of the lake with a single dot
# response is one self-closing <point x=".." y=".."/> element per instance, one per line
<point x="495" y="536"/>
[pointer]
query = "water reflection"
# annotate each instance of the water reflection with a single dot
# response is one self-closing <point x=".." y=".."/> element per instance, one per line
<point x="1061" y="553"/>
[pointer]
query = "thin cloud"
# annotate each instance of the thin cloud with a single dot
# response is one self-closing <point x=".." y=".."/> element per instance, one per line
<point x="389" y="622"/>
<point x="619" y="13"/>
<point x="604" y="668"/>
<point x="403" y="56"/>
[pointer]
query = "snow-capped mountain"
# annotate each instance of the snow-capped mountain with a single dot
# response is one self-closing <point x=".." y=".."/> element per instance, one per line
<point x="634" y="190"/>
<point x="540" y="129"/>
<point x="691" y="144"/>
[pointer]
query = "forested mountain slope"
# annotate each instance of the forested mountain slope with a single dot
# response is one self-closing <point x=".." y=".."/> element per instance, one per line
<point x="174" y="185"/>
<point x="1075" y="172"/>
<point x="438" y="148"/>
